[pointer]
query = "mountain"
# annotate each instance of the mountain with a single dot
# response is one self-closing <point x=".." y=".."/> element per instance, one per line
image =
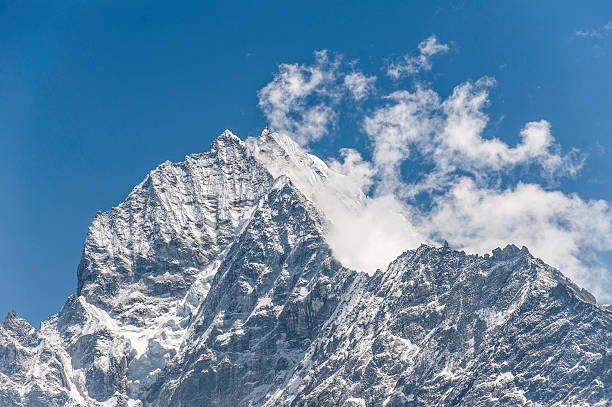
<point x="213" y="284"/>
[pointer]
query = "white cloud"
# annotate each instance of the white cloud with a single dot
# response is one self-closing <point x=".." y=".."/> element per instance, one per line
<point x="460" y="143"/>
<point x="284" y="101"/>
<point x="410" y="65"/>
<point x="370" y="236"/>
<point x="595" y="33"/>
<point x="449" y="134"/>
<point x="376" y="213"/>
<point x="358" y="172"/>
<point x="564" y="230"/>
<point x="359" y="85"/>
<point x="300" y="100"/>
<point x="396" y="128"/>
<point x="370" y="232"/>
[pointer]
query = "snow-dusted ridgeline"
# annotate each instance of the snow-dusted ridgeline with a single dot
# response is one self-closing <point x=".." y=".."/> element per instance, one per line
<point x="213" y="284"/>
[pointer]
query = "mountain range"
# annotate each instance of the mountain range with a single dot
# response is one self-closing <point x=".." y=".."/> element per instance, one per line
<point x="213" y="284"/>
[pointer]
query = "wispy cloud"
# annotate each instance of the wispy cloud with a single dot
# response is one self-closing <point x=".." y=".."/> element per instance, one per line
<point x="301" y="99"/>
<point x="284" y="101"/>
<point x="596" y="32"/>
<point x="359" y="85"/>
<point x="413" y="64"/>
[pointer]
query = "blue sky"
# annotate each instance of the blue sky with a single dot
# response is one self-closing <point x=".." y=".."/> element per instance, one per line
<point x="93" y="95"/>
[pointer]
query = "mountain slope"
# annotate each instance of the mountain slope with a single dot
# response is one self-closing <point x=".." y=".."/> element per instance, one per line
<point x="441" y="328"/>
<point x="276" y="286"/>
<point x="213" y="284"/>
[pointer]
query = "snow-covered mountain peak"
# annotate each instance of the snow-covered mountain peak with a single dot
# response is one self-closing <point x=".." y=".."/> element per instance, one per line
<point x="283" y="156"/>
<point x="228" y="135"/>
<point x="227" y="140"/>
<point x="180" y="217"/>
<point x="220" y="281"/>
<point x="17" y="325"/>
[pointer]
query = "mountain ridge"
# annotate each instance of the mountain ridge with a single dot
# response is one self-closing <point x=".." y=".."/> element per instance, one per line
<point x="213" y="283"/>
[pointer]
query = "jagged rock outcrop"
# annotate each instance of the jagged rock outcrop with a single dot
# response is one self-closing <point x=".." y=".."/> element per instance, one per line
<point x="213" y="284"/>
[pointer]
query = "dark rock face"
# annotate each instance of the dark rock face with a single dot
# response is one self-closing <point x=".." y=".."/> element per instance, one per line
<point x="212" y="284"/>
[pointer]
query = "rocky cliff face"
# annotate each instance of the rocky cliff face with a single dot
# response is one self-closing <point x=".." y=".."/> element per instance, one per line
<point x="442" y="328"/>
<point x="212" y="284"/>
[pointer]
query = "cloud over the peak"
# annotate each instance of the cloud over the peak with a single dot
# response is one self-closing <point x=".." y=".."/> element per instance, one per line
<point x="413" y="64"/>
<point x="459" y="188"/>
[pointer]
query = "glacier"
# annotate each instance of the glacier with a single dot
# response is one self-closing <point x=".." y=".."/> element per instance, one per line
<point x="215" y="284"/>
